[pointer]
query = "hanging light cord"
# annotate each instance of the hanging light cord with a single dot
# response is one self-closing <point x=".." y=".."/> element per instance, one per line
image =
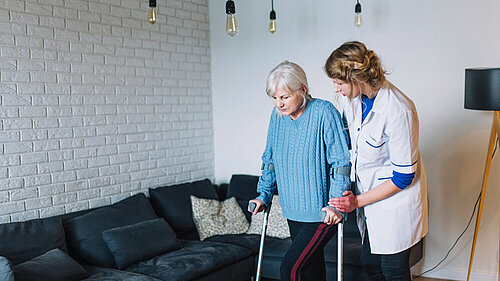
<point x="272" y="5"/>
<point x="467" y="227"/>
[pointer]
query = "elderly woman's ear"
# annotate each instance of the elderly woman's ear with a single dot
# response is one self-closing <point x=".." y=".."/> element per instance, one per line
<point x="304" y="89"/>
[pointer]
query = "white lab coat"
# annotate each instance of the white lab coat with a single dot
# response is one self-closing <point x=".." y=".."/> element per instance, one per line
<point x="387" y="141"/>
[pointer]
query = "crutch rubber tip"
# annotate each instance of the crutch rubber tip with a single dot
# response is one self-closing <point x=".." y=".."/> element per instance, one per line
<point x="322" y="215"/>
<point x="251" y="206"/>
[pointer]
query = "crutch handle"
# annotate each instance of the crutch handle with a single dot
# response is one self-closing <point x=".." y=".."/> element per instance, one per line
<point x="252" y="206"/>
<point x="322" y="215"/>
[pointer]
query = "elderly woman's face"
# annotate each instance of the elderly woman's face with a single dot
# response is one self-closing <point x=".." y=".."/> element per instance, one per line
<point x="289" y="104"/>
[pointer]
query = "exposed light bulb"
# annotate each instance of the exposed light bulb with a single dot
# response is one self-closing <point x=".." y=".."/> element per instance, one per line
<point x="357" y="17"/>
<point x="231" y="24"/>
<point x="272" y="22"/>
<point x="152" y="12"/>
<point x="152" y="16"/>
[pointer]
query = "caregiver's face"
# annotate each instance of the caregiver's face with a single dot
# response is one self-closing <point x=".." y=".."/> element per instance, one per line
<point x="345" y="88"/>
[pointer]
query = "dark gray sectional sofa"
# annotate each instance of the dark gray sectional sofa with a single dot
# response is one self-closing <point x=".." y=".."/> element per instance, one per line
<point x="155" y="238"/>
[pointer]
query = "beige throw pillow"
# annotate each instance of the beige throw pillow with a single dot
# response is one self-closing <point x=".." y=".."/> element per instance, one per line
<point x="213" y="217"/>
<point x="277" y="225"/>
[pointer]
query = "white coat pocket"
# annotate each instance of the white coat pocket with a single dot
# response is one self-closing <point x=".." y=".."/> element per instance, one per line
<point x="373" y="149"/>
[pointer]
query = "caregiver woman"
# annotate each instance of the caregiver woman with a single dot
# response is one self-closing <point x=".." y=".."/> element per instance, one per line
<point x="387" y="168"/>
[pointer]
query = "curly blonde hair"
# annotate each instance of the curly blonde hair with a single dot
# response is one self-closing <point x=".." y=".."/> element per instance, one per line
<point x="353" y="62"/>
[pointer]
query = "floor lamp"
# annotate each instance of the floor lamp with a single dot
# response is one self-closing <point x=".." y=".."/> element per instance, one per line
<point x="482" y="92"/>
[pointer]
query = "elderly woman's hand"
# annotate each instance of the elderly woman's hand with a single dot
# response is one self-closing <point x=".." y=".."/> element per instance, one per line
<point x="259" y="206"/>
<point x="332" y="216"/>
<point x="346" y="204"/>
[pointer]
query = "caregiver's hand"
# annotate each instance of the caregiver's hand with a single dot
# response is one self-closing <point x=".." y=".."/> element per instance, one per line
<point x="345" y="204"/>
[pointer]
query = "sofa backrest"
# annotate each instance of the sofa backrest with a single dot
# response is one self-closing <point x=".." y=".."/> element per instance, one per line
<point x="243" y="188"/>
<point x="22" y="241"/>
<point x="173" y="203"/>
<point x="84" y="232"/>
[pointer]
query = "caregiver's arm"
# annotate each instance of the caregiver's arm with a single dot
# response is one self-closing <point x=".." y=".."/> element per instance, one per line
<point x="350" y="202"/>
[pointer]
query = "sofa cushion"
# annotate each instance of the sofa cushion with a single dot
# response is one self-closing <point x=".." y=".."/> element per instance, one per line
<point x="22" y="241"/>
<point x="195" y="259"/>
<point x="141" y="241"/>
<point x="84" y="232"/>
<point x="6" y="273"/>
<point x="174" y="204"/>
<point x="213" y="217"/>
<point x="54" y="265"/>
<point x="243" y="188"/>
<point x="249" y="241"/>
<point x="111" y="274"/>
<point x="277" y="224"/>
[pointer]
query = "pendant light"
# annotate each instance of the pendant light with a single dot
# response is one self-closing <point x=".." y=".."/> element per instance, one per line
<point x="357" y="17"/>
<point x="231" y="24"/>
<point x="152" y="12"/>
<point x="272" y="19"/>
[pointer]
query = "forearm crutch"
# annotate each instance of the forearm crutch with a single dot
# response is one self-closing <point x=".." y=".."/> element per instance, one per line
<point x="340" y="247"/>
<point x="265" y="220"/>
<point x="340" y="251"/>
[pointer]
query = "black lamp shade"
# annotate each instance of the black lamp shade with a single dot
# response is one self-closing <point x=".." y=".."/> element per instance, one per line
<point x="482" y="88"/>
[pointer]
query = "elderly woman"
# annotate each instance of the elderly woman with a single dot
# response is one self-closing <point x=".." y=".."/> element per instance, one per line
<point x="306" y="146"/>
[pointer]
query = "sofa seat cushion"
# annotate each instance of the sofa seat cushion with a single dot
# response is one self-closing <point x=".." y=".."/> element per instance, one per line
<point x="54" y="265"/>
<point x="84" y="233"/>
<point x="174" y="204"/>
<point x="249" y="241"/>
<point x="141" y="241"/>
<point x="111" y="274"/>
<point x="195" y="259"/>
<point x="22" y="241"/>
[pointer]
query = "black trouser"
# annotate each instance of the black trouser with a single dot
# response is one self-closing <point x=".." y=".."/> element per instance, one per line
<point x="393" y="267"/>
<point x="305" y="259"/>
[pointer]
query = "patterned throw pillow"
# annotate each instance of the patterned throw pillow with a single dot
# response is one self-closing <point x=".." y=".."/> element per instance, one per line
<point x="277" y="225"/>
<point x="213" y="217"/>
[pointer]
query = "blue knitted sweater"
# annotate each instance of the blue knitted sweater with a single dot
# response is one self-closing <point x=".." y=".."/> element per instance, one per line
<point x="302" y="152"/>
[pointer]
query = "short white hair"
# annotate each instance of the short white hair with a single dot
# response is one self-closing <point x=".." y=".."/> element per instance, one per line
<point x="288" y="76"/>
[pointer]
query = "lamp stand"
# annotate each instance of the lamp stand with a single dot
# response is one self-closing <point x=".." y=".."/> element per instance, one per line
<point x="495" y="132"/>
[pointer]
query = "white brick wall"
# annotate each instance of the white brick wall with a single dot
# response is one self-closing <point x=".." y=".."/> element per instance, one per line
<point x="97" y="104"/>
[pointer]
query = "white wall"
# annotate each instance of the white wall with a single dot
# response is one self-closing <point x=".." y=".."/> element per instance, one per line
<point x="426" y="45"/>
<point x="97" y="104"/>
